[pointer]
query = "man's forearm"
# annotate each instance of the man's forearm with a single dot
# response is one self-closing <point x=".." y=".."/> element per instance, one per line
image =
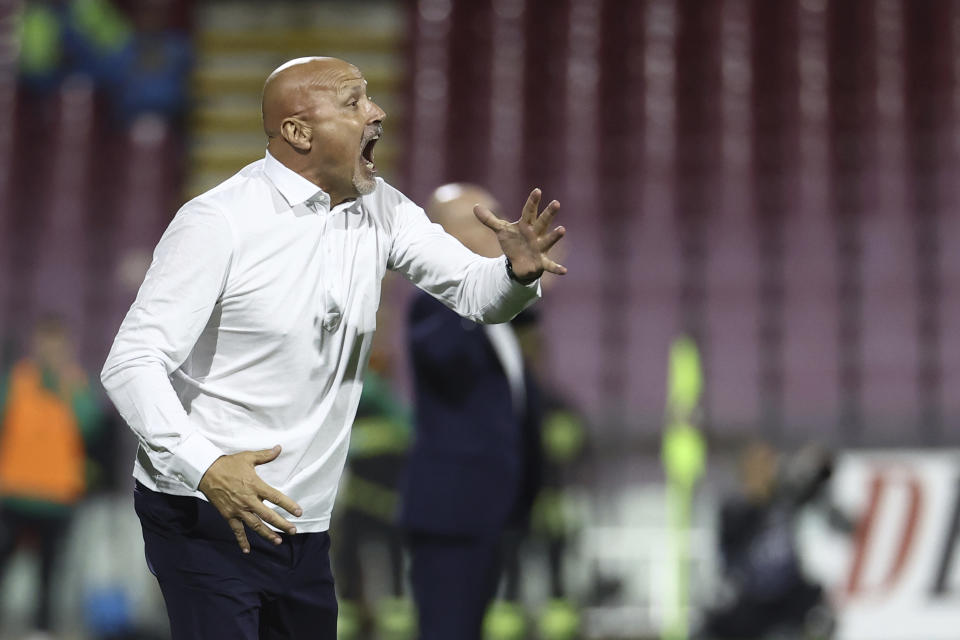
<point x="144" y="397"/>
<point x="493" y="296"/>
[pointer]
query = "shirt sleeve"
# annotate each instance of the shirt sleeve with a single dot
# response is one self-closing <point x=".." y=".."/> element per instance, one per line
<point x="174" y="304"/>
<point x="475" y="287"/>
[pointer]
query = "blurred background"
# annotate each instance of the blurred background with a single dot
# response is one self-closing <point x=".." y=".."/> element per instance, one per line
<point x="753" y="371"/>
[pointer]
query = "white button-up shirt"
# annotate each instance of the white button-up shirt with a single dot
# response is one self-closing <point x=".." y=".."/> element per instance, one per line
<point x="254" y="323"/>
<point x="504" y="341"/>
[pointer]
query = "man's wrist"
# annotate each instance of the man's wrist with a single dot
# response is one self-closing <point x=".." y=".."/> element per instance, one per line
<point x="206" y="474"/>
<point x="514" y="277"/>
<point x="192" y="458"/>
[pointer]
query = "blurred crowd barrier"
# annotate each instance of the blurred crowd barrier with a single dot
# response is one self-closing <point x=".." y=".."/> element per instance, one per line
<point x="894" y="576"/>
<point x="897" y="575"/>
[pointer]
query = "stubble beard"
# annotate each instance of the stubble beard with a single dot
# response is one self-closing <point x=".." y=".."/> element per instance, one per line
<point x="363" y="184"/>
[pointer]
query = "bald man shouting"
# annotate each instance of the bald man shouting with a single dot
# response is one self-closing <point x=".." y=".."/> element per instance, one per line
<point x="239" y="365"/>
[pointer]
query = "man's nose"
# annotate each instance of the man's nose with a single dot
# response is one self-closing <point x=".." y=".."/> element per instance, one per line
<point x="376" y="114"/>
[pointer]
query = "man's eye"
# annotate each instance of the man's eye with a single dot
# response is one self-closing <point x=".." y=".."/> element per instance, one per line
<point x="353" y="103"/>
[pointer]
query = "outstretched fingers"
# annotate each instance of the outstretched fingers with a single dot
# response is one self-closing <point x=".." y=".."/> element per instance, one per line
<point x="488" y="218"/>
<point x="547" y="241"/>
<point x="553" y="267"/>
<point x="529" y="213"/>
<point x="546" y="218"/>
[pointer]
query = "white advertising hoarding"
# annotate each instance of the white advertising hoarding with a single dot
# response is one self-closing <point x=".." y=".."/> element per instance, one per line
<point x="896" y="576"/>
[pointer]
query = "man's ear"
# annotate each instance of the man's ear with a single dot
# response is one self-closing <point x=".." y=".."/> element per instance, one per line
<point x="297" y="133"/>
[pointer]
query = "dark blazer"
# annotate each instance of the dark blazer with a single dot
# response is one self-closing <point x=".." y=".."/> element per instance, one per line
<point x="470" y="468"/>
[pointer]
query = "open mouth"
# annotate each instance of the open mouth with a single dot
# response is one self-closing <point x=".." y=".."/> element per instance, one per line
<point x="367" y="152"/>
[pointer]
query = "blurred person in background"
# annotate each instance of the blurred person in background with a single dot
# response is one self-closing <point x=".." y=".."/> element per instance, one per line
<point x="59" y="38"/>
<point x="758" y="545"/>
<point x="472" y="468"/>
<point x="247" y="346"/>
<point x="152" y="69"/>
<point x="366" y="515"/>
<point x="553" y="523"/>
<point x="141" y="60"/>
<point x="552" y="472"/>
<point x="47" y="413"/>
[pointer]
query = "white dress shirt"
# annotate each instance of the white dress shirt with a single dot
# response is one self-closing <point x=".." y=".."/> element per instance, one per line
<point x="253" y="327"/>
<point x="504" y="341"/>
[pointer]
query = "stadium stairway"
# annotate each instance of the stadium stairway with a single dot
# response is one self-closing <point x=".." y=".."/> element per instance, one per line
<point x="239" y="43"/>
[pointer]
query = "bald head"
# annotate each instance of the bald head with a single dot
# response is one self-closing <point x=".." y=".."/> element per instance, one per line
<point x="451" y="206"/>
<point x="321" y="124"/>
<point x="289" y="90"/>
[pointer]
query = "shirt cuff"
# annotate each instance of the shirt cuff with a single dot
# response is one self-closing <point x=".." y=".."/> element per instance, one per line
<point x="514" y="297"/>
<point x="517" y="285"/>
<point x="192" y="457"/>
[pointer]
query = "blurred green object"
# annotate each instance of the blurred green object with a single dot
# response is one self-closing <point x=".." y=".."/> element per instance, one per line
<point x="684" y="455"/>
<point x="684" y="450"/>
<point x="685" y="381"/>
<point x="348" y="620"/>
<point x="504" y="621"/>
<point x="554" y="513"/>
<point x="51" y="34"/>
<point x="39" y="31"/>
<point x="563" y="436"/>
<point x="559" y="620"/>
<point x="369" y="497"/>
<point x="101" y="23"/>
<point x="382" y="426"/>
<point x="377" y="436"/>
<point x="396" y="619"/>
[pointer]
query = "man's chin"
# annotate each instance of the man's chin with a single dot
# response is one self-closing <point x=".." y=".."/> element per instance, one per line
<point x="364" y="185"/>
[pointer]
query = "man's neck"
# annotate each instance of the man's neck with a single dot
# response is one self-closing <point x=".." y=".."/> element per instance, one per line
<point x="299" y="165"/>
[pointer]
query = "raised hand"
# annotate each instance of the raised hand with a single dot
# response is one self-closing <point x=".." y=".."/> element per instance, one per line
<point x="527" y="241"/>
<point x="232" y="486"/>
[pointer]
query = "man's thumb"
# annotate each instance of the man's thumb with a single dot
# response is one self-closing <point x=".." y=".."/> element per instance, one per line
<point x="266" y="455"/>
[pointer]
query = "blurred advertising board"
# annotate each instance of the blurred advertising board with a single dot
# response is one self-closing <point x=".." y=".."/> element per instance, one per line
<point x="896" y="574"/>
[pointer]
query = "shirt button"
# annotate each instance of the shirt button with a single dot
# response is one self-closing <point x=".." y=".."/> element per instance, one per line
<point x="180" y="477"/>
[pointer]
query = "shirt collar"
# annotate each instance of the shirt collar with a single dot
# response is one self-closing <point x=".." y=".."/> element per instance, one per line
<point x="292" y="186"/>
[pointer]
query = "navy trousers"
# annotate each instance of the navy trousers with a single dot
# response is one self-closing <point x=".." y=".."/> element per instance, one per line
<point x="213" y="591"/>
<point x="454" y="579"/>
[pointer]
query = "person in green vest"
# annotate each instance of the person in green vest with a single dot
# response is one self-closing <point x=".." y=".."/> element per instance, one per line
<point x="561" y="447"/>
<point x="47" y="413"/>
<point x="367" y="506"/>
<point x="60" y="37"/>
